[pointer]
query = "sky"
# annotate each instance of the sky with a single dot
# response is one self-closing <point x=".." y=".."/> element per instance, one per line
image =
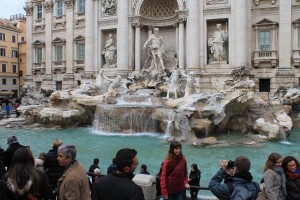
<point x="11" y="7"/>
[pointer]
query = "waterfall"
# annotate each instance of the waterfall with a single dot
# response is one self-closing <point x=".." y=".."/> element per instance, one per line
<point x="171" y="117"/>
<point x="125" y="119"/>
<point x="283" y="136"/>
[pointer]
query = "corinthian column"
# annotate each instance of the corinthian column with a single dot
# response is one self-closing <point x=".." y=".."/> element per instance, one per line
<point x="123" y="36"/>
<point x="193" y="38"/>
<point x="137" y="48"/>
<point x="241" y="32"/>
<point x="89" y="37"/>
<point x="70" y="35"/>
<point x="29" y="50"/>
<point x="48" y="7"/>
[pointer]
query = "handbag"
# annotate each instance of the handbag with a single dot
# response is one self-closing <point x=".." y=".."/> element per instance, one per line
<point x="262" y="195"/>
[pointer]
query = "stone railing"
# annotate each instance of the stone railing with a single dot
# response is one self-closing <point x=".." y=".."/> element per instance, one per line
<point x="265" y="57"/>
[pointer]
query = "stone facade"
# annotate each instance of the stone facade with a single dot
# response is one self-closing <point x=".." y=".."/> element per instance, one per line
<point x="66" y="38"/>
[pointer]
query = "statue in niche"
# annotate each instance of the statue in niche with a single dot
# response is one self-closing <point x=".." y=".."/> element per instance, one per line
<point x="109" y="7"/>
<point x="156" y="46"/>
<point x="109" y="52"/>
<point x="216" y="44"/>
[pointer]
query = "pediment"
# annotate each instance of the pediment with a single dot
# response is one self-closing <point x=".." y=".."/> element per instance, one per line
<point x="38" y="42"/>
<point x="266" y="21"/>
<point x="296" y="21"/>
<point x="79" y="38"/>
<point x="58" y="41"/>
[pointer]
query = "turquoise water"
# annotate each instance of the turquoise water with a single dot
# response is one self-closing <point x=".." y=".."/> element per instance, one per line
<point x="151" y="149"/>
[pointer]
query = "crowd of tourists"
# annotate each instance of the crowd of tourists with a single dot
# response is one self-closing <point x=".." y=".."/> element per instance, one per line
<point x="57" y="174"/>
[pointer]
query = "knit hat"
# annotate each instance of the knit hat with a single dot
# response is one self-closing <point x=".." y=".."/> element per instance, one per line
<point x="11" y="139"/>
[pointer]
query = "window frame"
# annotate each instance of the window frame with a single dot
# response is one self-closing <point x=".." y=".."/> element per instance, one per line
<point x="59" y="8"/>
<point x="58" y="49"/>
<point x="13" y="39"/>
<point x="14" y="53"/>
<point x="4" y="82"/>
<point x="263" y="40"/>
<point x="3" y="52"/>
<point x="38" y="54"/>
<point x="2" y="36"/>
<point x="80" y="53"/>
<point x="14" y="68"/>
<point x="39" y="13"/>
<point x="81" y="6"/>
<point x="3" y="68"/>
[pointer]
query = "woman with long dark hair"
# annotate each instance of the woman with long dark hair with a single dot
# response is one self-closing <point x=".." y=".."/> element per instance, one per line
<point x="22" y="181"/>
<point x="194" y="180"/>
<point x="291" y="168"/>
<point x="174" y="176"/>
<point x="274" y="178"/>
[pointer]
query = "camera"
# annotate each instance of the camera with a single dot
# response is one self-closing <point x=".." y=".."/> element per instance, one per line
<point x="230" y="164"/>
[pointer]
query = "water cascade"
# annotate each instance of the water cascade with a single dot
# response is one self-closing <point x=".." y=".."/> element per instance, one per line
<point x="125" y="118"/>
<point x="171" y="117"/>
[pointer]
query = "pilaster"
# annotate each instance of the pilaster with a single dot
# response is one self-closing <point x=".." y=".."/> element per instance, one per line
<point x="89" y="37"/>
<point x="241" y="32"/>
<point x="70" y="36"/>
<point x="48" y="7"/>
<point x="29" y="50"/>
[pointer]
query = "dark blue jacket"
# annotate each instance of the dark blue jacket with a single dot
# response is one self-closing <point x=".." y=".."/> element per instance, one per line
<point x="243" y="189"/>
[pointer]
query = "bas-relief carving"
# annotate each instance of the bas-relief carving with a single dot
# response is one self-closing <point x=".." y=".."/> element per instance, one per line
<point x="70" y="3"/>
<point x="256" y="2"/>
<point x="109" y="52"/>
<point x="213" y="2"/>
<point x="109" y="7"/>
<point x="216" y="44"/>
<point x="48" y="6"/>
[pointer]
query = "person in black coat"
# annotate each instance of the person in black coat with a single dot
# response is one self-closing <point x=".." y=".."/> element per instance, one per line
<point x="94" y="166"/>
<point x="119" y="185"/>
<point x="194" y="180"/>
<point x="112" y="167"/>
<point x="51" y="166"/>
<point x="2" y="167"/>
<point x="13" y="143"/>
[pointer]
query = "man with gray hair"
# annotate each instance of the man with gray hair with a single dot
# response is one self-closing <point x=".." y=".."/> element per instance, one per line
<point x="74" y="182"/>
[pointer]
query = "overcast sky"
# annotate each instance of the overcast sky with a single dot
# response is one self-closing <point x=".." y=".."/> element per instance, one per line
<point x="11" y="7"/>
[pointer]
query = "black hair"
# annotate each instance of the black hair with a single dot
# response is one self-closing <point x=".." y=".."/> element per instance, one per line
<point x="124" y="158"/>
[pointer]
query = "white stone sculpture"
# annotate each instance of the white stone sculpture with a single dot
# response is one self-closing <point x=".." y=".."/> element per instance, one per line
<point x="191" y="85"/>
<point x="156" y="46"/>
<point x="113" y="86"/>
<point x="212" y="2"/>
<point x="109" y="52"/>
<point x="109" y="7"/>
<point x="216" y="44"/>
<point x="174" y="84"/>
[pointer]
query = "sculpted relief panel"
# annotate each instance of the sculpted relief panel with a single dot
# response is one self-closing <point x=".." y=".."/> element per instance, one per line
<point x="213" y="2"/>
<point x="109" y="7"/>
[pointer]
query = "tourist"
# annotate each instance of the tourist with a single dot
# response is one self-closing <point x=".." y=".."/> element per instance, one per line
<point x="291" y="167"/>
<point x="94" y="166"/>
<point x="274" y="178"/>
<point x="144" y="169"/>
<point x="51" y="166"/>
<point x="216" y="44"/>
<point x="194" y="180"/>
<point x="22" y="180"/>
<point x="17" y="105"/>
<point x="119" y="185"/>
<point x="238" y="186"/>
<point x="112" y="167"/>
<point x="13" y="145"/>
<point x="73" y="184"/>
<point x="158" y="189"/>
<point x="174" y="176"/>
<point x="7" y="109"/>
<point x="38" y="163"/>
<point x="156" y="46"/>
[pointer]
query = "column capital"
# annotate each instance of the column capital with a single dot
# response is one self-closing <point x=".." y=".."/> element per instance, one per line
<point x="48" y="5"/>
<point x="28" y="9"/>
<point x="70" y="4"/>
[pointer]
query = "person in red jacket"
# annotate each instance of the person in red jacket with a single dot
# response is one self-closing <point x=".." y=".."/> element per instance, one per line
<point x="174" y="176"/>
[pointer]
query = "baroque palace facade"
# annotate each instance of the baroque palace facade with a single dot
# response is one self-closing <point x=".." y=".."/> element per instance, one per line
<point x="67" y="39"/>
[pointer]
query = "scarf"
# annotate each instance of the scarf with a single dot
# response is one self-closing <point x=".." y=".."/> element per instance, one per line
<point x="292" y="175"/>
<point x="12" y="186"/>
<point x="280" y="172"/>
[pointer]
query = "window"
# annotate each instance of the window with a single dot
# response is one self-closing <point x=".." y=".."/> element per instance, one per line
<point x="13" y="39"/>
<point x="264" y="40"/>
<point x="38" y="55"/>
<point x="2" y="36"/>
<point x="14" y="68"/>
<point x="81" y="6"/>
<point x="22" y="39"/>
<point x="39" y="11"/>
<point x="21" y="60"/>
<point x="14" y="53"/>
<point x="14" y="81"/>
<point x="58" y="53"/>
<point x="59" y="10"/>
<point x="4" y="81"/>
<point x="58" y="85"/>
<point x="3" y="67"/>
<point x="264" y="85"/>
<point x="80" y="51"/>
<point x="2" y="52"/>
<point x="20" y="73"/>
